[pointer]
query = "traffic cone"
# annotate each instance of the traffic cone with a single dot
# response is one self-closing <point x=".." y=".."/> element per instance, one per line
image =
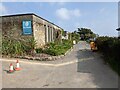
<point x="17" y="66"/>
<point x="11" y="68"/>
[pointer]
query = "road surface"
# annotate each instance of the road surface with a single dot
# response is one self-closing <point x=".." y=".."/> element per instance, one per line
<point x="80" y="68"/>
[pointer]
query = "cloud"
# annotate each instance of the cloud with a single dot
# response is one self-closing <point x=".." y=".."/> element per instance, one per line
<point x="3" y="9"/>
<point x="65" y="14"/>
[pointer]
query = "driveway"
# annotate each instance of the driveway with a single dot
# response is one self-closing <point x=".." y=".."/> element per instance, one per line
<point x="80" y="68"/>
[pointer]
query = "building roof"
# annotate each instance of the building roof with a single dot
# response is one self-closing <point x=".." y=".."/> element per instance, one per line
<point x="30" y="14"/>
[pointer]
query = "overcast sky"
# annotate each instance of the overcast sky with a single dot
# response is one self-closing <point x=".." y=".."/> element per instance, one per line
<point x="100" y="17"/>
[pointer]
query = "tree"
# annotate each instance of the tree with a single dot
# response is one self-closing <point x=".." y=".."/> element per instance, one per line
<point x="75" y="36"/>
<point x="85" y="33"/>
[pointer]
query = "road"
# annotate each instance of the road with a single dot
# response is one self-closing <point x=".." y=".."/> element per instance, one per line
<point x="80" y="68"/>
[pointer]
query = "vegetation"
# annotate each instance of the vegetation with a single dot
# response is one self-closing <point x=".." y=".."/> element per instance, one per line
<point x="56" y="49"/>
<point x="75" y="36"/>
<point x="110" y="47"/>
<point x="18" y="47"/>
<point x="14" y="47"/>
<point x="39" y="50"/>
<point x="85" y="33"/>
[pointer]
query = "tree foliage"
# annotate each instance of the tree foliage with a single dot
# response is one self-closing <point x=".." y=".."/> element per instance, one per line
<point x="86" y="33"/>
<point x="75" y="36"/>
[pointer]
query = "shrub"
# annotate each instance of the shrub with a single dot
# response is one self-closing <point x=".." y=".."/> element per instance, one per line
<point x="110" y="47"/>
<point x="39" y="50"/>
<point x="58" y="49"/>
<point x="14" y="47"/>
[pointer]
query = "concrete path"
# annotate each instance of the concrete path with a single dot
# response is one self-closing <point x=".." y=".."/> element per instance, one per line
<point x="81" y="68"/>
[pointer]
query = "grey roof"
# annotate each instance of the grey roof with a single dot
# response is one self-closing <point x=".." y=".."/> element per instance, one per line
<point x="30" y="14"/>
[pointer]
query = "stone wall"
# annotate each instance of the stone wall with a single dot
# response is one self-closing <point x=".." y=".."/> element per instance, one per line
<point x="12" y="27"/>
<point x="39" y="34"/>
<point x="43" y="31"/>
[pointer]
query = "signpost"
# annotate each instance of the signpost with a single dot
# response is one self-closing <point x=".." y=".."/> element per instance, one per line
<point x="27" y="27"/>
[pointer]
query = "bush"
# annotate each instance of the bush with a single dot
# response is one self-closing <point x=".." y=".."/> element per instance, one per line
<point x="39" y="50"/>
<point x="110" y="47"/>
<point x="58" y="49"/>
<point x="14" y="47"/>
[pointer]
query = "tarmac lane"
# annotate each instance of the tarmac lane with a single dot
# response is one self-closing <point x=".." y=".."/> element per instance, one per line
<point x="81" y="68"/>
<point x="28" y="76"/>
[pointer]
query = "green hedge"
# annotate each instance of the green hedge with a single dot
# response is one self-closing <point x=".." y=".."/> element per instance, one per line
<point x="58" y="49"/>
<point x="110" y="47"/>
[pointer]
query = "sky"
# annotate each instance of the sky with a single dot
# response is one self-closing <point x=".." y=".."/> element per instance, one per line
<point x="100" y="17"/>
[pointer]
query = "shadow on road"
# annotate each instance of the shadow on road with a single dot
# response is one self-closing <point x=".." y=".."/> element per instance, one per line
<point x="101" y="75"/>
<point x="7" y="71"/>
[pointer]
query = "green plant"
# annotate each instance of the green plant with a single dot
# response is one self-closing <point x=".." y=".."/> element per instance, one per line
<point x="14" y="47"/>
<point x="56" y="49"/>
<point x="110" y="47"/>
<point x="39" y="50"/>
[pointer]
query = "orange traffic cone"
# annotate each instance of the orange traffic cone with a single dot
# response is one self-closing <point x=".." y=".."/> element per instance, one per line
<point x="17" y="66"/>
<point x="11" y="68"/>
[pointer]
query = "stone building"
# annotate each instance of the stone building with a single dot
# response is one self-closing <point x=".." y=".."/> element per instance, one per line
<point x="24" y="26"/>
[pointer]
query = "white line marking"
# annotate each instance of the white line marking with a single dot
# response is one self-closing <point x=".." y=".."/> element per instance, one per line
<point x="75" y="61"/>
<point x="54" y="65"/>
<point x="45" y="64"/>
